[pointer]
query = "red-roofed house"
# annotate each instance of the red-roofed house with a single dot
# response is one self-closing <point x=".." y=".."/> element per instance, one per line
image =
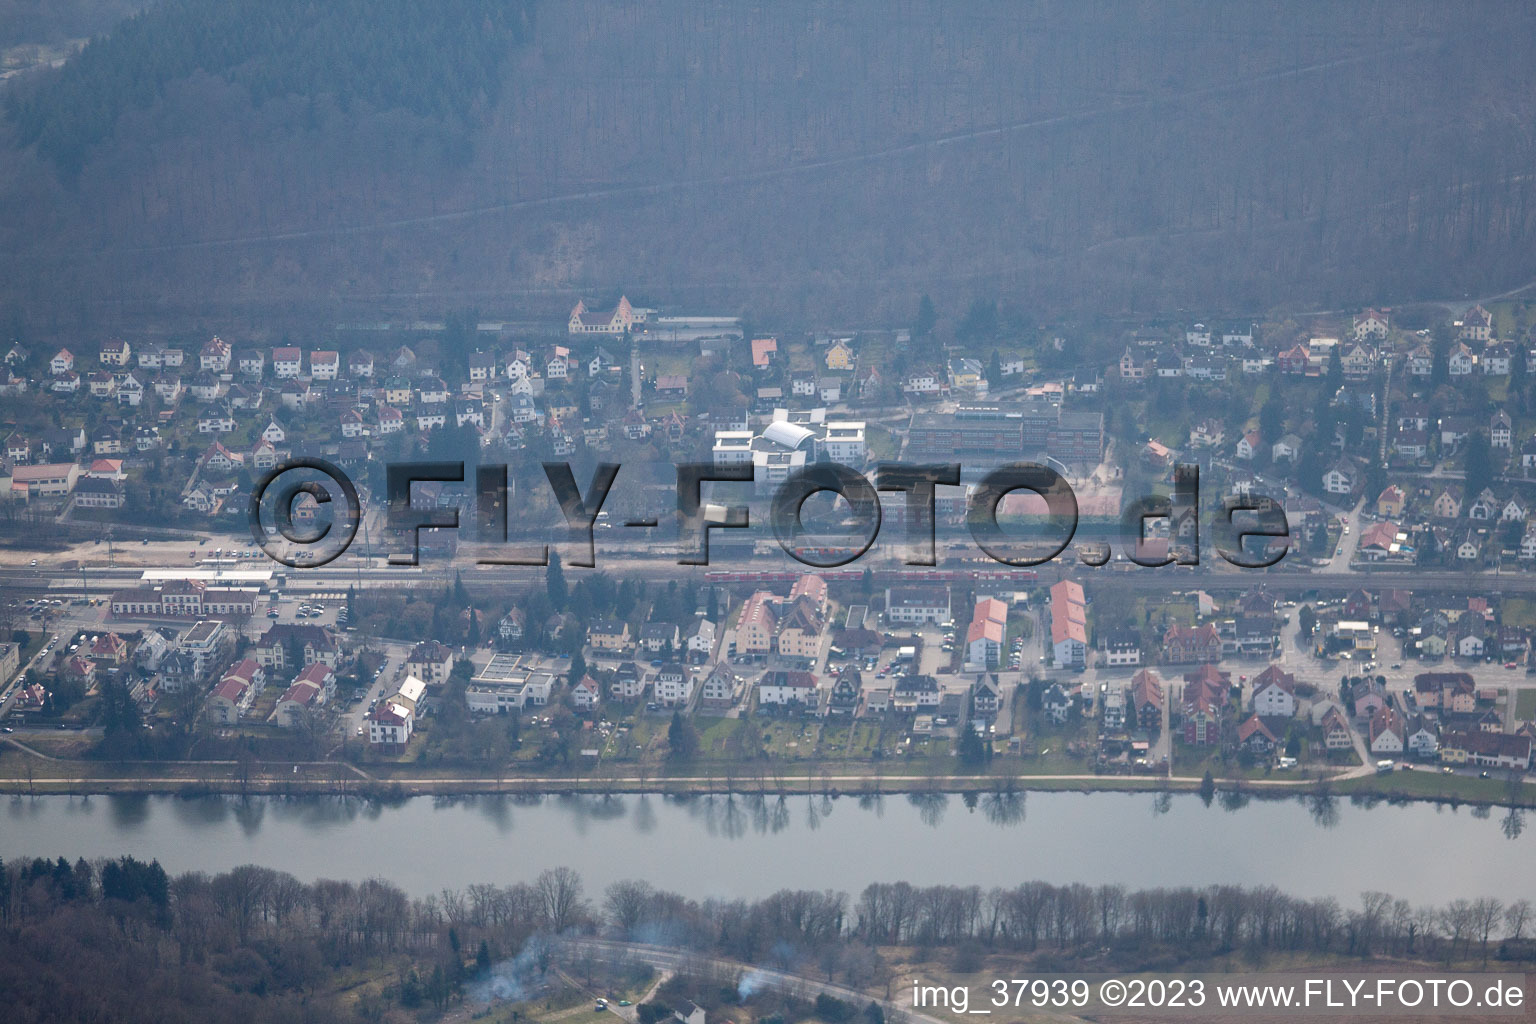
<point x="1069" y="625"/>
<point x="1204" y="705"/>
<point x="989" y="627"/>
<point x="1274" y="693"/>
<point x="230" y="699"/>
<point x="1255" y="735"/>
<point x="310" y="689"/>
<point x="764" y="351"/>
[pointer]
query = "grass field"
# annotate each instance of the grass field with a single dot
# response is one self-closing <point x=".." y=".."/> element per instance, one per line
<point x="1519" y="611"/>
<point x="1525" y="705"/>
<point x="1430" y="782"/>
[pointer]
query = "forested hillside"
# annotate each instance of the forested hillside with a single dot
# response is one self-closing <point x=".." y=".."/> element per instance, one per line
<point x="823" y="160"/>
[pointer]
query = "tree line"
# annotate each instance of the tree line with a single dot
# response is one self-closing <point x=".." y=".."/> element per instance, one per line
<point x="440" y="62"/>
<point x="255" y="943"/>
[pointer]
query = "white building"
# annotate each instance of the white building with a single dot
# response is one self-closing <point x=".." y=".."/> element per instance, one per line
<point x="394" y="719"/>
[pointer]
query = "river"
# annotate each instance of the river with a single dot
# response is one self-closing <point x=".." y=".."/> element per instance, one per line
<point x="747" y="846"/>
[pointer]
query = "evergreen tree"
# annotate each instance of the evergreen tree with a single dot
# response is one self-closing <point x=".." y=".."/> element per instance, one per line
<point x="927" y="318"/>
<point x="1477" y="464"/>
<point x="1272" y="418"/>
<point x="972" y="752"/>
<point x="554" y="583"/>
<point x="682" y="739"/>
<point x="1335" y="377"/>
<point x="995" y="370"/>
<point x="980" y="321"/>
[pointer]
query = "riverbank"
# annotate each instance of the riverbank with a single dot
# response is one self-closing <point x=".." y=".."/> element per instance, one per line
<point x="27" y="772"/>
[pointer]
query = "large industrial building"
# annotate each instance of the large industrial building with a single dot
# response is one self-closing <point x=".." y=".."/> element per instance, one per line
<point x="997" y="433"/>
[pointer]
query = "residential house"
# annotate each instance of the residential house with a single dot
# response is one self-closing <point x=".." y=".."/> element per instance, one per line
<point x="1191" y="645"/>
<point x="788" y="690"/>
<point x="839" y="355"/>
<point x="585" y="693"/>
<point x="284" y="644"/>
<point x="393" y="719"/>
<point x="1447" y="504"/>
<point x="324" y="364"/>
<point x="1422" y="737"/>
<point x="608" y="635"/>
<point x="1146" y="700"/>
<point x="114" y="352"/>
<point x="229" y="700"/>
<point x="721" y="688"/>
<point x="431" y="662"/>
<point x="1056" y="703"/>
<point x="1203" y="705"/>
<point x="1461" y="362"/>
<point x="756" y="626"/>
<point x="214" y="356"/>
<point x="1500" y="430"/>
<point x="311" y="689"/>
<point x="699" y="636"/>
<point x="1476" y="325"/>
<point x="764" y="352"/>
<point x="1487" y="749"/>
<point x="1371" y="324"/>
<point x="1340" y="478"/>
<point x="1386" y="732"/>
<point x="1255" y="735"/>
<point x="1274" y="693"/>
<point x="1287" y="449"/>
<point x="287" y="362"/>
<point x="987" y="631"/>
<point x="1337" y="734"/>
<point x="1122" y="647"/>
<point x="909" y="605"/>
<point x="1421" y="361"/>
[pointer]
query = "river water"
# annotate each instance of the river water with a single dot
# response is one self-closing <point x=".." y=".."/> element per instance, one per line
<point x="748" y="846"/>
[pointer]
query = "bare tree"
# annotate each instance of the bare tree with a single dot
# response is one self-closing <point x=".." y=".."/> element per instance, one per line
<point x="1457" y="919"/>
<point x="560" y="898"/>
<point x="1515" y="917"/>
<point x="626" y="902"/>
<point x="1486" y="912"/>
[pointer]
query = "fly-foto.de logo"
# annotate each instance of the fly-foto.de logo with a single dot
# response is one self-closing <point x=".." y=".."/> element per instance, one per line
<point x="1250" y="531"/>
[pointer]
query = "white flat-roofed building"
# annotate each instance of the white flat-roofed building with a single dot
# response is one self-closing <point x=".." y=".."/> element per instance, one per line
<point x="844" y="442"/>
<point x="917" y="604"/>
<point x="733" y="447"/>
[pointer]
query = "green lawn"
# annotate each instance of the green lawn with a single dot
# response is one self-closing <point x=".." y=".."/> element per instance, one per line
<point x="1431" y="782"/>
<point x="1519" y="611"/>
<point x="880" y="442"/>
<point x="1525" y="705"/>
<point x="713" y="734"/>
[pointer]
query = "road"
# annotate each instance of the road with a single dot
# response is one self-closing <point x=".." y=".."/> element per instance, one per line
<point x="25" y="672"/>
<point x="681" y="961"/>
